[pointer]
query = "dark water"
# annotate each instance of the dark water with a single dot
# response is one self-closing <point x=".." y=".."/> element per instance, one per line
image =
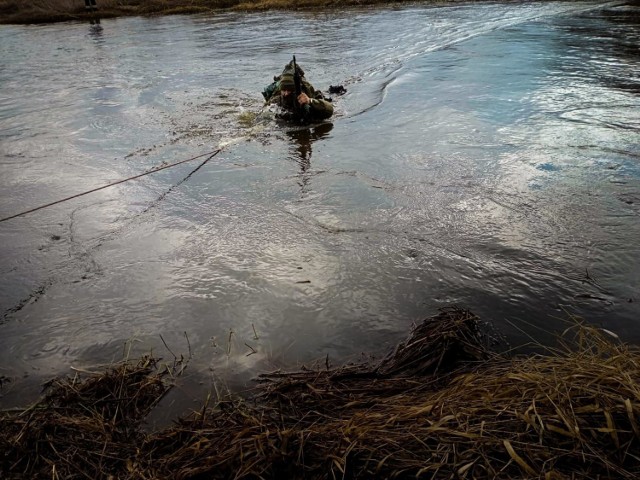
<point x="485" y="155"/>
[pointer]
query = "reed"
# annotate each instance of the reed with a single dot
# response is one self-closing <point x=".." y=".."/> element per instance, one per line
<point x="442" y="405"/>
<point x="47" y="11"/>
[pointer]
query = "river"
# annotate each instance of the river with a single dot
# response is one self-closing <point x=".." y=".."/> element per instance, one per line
<point x="485" y="155"/>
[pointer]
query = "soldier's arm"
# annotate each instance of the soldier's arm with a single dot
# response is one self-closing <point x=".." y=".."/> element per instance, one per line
<point x="320" y="108"/>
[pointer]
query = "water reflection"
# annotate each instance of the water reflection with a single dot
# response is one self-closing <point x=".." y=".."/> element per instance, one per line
<point x="301" y="147"/>
<point x="608" y="40"/>
<point x="95" y="29"/>
<point x="480" y="161"/>
<point x="94" y="21"/>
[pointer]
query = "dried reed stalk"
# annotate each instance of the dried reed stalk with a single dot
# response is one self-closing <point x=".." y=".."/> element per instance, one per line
<point x="440" y="406"/>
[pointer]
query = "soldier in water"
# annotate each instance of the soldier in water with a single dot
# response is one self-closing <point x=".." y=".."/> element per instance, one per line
<point x="309" y="106"/>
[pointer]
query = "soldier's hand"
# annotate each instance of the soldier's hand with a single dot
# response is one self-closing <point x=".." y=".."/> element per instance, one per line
<point x="303" y="99"/>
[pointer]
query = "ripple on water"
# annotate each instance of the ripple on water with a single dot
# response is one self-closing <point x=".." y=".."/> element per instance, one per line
<point x="485" y="155"/>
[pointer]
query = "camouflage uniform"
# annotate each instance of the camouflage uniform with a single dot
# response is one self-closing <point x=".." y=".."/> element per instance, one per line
<point x="318" y="109"/>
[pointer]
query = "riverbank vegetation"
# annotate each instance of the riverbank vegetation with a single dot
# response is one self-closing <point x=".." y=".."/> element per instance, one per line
<point x="48" y="11"/>
<point x="442" y="405"/>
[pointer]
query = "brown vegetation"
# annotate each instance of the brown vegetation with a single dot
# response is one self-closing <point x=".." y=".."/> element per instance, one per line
<point x="440" y="406"/>
<point x="47" y="11"/>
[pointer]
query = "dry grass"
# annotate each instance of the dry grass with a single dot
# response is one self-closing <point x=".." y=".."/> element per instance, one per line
<point x="440" y="406"/>
<point x="46" y="11"/>
<point x="82" y="426"/>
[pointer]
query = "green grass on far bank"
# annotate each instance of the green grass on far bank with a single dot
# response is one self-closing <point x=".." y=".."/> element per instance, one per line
<point x="48" y="11"/>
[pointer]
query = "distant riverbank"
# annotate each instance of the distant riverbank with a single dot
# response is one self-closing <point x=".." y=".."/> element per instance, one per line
<point x="49" y="11"/>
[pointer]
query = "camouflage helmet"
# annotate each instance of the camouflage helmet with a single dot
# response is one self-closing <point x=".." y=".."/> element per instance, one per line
<point x="288" y="69"/>
<point x="286" y="77"/>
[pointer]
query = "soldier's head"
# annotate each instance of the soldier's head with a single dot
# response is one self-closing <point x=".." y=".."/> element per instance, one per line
<point x="287" y="87"/>
<point x="287" y="83"/>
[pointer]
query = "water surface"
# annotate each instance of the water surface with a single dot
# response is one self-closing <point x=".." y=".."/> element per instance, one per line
<point x="485" y="155"/>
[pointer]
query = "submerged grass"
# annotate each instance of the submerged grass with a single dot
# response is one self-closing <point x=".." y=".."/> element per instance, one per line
<point x="441" y="406"/>
<point x="47" y="11"/>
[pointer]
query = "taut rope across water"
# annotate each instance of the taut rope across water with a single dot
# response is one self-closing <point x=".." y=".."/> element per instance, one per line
<point x="209" y="157"/>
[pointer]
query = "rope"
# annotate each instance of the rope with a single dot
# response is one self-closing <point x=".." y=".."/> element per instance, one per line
<point x="211" y="155"/>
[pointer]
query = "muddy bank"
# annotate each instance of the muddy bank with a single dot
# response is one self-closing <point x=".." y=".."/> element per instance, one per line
<point x="442" y="405"/>
<point x="50" y="11"/>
